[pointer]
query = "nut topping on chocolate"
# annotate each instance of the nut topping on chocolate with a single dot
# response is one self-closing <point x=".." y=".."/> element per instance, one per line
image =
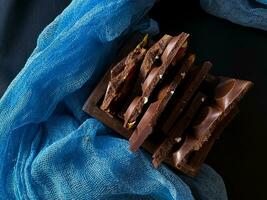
<point x="158" y="99"/>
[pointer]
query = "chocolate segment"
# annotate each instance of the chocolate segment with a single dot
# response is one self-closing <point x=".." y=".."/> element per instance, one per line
<point x="201" y="134"/>
<point x="153" y="56"/>
<point x="191" y="165"/>
<point x="148" y="121"/>
<point x="227" y="94"/>
<point x="122" y="76"/>
<point x="189" y="127"/>
<point x="191" y="84"/>
<point x="176" y="132"/>
<point x="229" y="91"/>
<point x="153" y="78"/>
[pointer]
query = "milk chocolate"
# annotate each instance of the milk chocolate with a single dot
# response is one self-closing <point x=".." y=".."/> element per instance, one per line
<point x="152" y="57"/>
<point x="122" y="76"/>
<point x="192" y="162"/>
<point x="148" y="121"/>
<point x="185" y="138"/>
<point x="153" y="78"/>
<point x="191" y="84"/>
<point x="176" y="132"/>
<point x="226" y="95"/>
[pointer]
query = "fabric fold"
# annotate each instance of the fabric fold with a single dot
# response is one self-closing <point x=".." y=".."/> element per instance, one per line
<point x="49" y="149"/>
<point x="244" y="12"/>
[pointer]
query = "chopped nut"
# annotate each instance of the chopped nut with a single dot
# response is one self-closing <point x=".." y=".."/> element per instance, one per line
<point x="172" y="92"/>
<point x="183" y="74"/>
<point x="160" y="76"/>
<point x="145" y="99"/>
<point x="143" y="43"/>
<point x="130" y="125"/>
<point x="185" y="44"/>
<point x="178" y="139"/>
<point x="157" y="57"/>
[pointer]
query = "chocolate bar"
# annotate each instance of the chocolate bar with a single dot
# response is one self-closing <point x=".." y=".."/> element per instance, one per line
<point x="152" y="57"/>
<point x="194" y="160"/>
<point x="176" y="132"/>
<point x="153" y="78"/>
<point x="122" y="76"/>
<point x="191" y="84"/>
<point x="148" y="121"/>
<point x="175" y="116"/>
<point x="226" y="95"/>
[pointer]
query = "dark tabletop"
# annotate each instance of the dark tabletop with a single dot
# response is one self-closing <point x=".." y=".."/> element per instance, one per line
<point x="240" y="52"/>
<point x="235" y="51"/>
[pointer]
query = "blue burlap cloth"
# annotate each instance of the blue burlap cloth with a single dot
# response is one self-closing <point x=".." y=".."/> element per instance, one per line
<point x="49" y="148"/>
<point x="251" y="13"/>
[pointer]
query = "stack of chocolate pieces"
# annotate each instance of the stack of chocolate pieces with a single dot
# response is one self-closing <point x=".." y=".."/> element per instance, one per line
<point x="158" y="98"/>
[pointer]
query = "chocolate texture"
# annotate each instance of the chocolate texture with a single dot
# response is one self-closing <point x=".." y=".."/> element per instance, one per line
<point x="191" y="84"/>
<point x="158" y="99"/>
<point x="154" y="77"/>
<point x="154" y="111"/>
<point x="122" y="76"/>
<point x="176" y="132"/>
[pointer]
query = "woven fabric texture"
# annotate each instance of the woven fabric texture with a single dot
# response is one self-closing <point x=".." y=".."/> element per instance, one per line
<point x="49" y="148"/>
<point x="244" y="12"/>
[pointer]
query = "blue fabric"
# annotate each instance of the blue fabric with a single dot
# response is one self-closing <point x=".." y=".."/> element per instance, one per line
<point x="244" y="12"/>
<point x="262" y="1"/>
<point x="49" y="148"/>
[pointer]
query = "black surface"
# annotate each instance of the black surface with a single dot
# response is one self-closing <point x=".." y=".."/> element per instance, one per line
<point x="235" y="51"/>
<point x="239" y="155"/>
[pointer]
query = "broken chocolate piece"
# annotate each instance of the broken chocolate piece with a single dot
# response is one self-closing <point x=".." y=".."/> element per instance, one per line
<point x="191" y="165"/>
<point x="194" y="142"/>
<point x="153" y="55"/>
<point x="176" y="132"/>
<point x="154" y="77"/>
<point x="148" y="121"/>
<point x="191" y="84"/>
<point x="230" y="90"/>
<point x="227" y="94"/>
<point x="122" y="76"/>
<point x="192" y="161"/>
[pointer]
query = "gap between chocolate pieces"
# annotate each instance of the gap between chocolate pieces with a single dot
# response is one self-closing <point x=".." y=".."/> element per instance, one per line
<point x="176" y="109"/>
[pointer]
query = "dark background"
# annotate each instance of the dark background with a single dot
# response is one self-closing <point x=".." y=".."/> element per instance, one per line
<point x="239" y="156"/>
<point x="21" y="21"/>
<point x="240" y="52"/>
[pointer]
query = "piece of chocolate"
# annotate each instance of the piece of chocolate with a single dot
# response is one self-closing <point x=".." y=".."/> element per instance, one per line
<point x="188" y="89"/>
<point x="148" y="121"/>
<point x="152" y="57"/>
<point x="194" y="142"/>
<point x="153" y="78"/>
<point x="227" y="94"/>
<point x="176" y="132"/>
<point x="177" y="108"/>
<point x="122" y="76"/>
<point x="151" y="60"/>
<point x="191" y="165"/>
